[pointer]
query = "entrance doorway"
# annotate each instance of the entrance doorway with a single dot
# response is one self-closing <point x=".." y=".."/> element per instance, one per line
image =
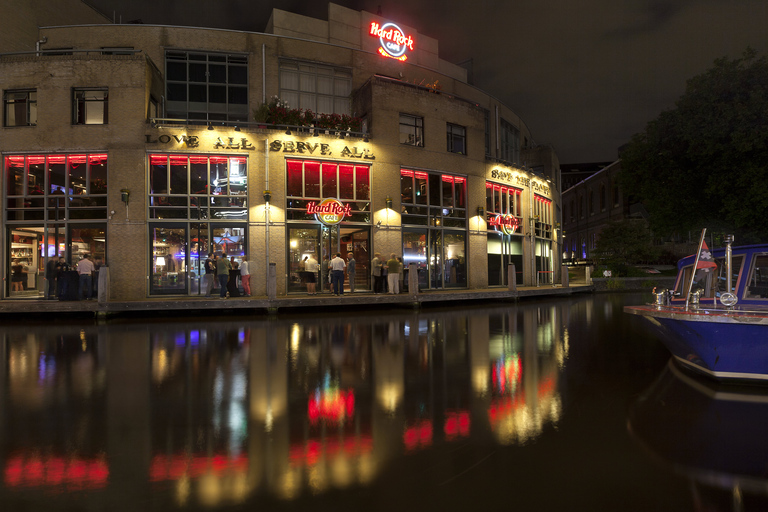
<point x="324" y="242"/>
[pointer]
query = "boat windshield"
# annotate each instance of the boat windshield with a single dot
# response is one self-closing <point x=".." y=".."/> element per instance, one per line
<point x="712" y="280"/>
<point x="757" y="287"/>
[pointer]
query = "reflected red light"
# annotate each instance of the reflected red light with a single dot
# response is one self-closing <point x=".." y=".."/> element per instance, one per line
<point x="175" y="467"/>
<point x="418" y="436"/>
<point x="456" y="424"/>
<point x="75" y="473"/>
<point x="332" y="405"/>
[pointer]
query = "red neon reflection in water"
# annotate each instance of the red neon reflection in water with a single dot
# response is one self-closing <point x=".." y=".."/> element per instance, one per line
<point x="76" y="474"/>
<point x="328" y="448"/>
<point x="456" y="425"/>
<point x="174" y="467"/>
<point x="331" y="406"/>
<point x="418" y="436"/>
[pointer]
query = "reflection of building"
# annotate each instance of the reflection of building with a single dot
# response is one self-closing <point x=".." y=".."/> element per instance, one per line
<point x="137" y="143"/>
<point x="216" y="414"/>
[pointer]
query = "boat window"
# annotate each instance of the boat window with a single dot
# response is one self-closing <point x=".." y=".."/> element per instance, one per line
<point x="757" y="287"/>
<point x="721" y="285"/>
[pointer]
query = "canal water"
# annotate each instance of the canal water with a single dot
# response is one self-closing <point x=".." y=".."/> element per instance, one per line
<point x="567" y="404"/>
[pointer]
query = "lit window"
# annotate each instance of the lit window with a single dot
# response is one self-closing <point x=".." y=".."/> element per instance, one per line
<point x="411" y="130"/>
<point x="20" y="108"/>
<point x="90" y="106"/>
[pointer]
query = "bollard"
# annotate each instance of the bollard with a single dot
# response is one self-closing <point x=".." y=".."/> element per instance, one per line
<point x="413" y="280"/>
<point x="511" y="278"/>
<point x="103" y="285"/>
<point x="565" y="277"/>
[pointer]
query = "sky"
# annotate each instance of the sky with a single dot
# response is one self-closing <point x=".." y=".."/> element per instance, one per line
<point x="584" y="75"/>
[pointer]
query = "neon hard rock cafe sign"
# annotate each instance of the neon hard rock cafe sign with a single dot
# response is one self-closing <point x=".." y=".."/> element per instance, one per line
<point x="330" y="211"/>
<point x="392" y="39"/>
<point x="506" y="223"/>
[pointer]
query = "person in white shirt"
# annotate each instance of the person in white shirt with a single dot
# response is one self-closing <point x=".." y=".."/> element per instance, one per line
<point x="85" y="268"/>
<point x="311" y="266"/>
<point x="337" y="274"/>
<point x="245" y="275"/>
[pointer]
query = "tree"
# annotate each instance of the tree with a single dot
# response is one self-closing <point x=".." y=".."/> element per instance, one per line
<point x="704" y="163"/>
<point x="622" y="243"/>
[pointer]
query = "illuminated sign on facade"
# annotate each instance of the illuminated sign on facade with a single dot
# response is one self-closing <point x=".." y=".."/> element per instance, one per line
<point x="330" y="211"/>
<point x="392" y="39"/>
<point x="506" y="223"/>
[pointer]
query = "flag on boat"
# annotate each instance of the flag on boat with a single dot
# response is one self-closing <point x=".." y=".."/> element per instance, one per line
<point x="705" y="258"/>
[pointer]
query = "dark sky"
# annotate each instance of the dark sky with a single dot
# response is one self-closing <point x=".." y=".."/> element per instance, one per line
<point x="584" y="75"/>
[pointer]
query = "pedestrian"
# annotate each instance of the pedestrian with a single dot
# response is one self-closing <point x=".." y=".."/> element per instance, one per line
<point x="351" y="264"/>
<point x="17" y="276"/>
<point x="311" y="267"/>
<point x="393" y="274"/>
<point x="233" y="264"/>
<point x="337" y="274"/>
<point x="245" y="275"/>
<point x="376" y="270"/>
<point x="222" y="270"/>
<point x="51" y="275"/>
<point x="85" y="270"/>
<point x="210" y="272"/>
<point x="401" y="275"/>
<point x="61" y="281"/>
<point x="97" y="264"/>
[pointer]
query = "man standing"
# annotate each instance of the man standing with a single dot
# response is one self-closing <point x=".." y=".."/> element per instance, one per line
<point x="222" y="270"/>
<point x="393" y="274"/>
<point x="337" y="274"/>
<point x="351" y="264"/>
<point x="376" y="269"/>
<point x="84" y="270"/>
<point x="245" y="275"/>
<point x="210" y="270"/>
<point x="311" y="267"/>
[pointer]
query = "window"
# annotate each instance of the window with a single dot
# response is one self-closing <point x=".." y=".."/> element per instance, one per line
<point x="591" y="202"/>
<point x="433" y="199"/>
<point x="60" y="186"/>
<point x="457" y="139"/>
<point x="206" y="86"/>
<point x="20" y="108"/>
<point x="198" y="187"/>
<point x="312" y="181"/>
<point x="321" y="89"/>
<point x="90" y="106"/>
<point x="502" y="200"/>
<point x="412" y="130"/>
<point x="510" y="142"/>
<point x="542" y="211"/>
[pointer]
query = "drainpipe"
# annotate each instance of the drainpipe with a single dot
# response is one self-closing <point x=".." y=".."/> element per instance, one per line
<point x="37" y="45"/>
<point x="267" y="197"/>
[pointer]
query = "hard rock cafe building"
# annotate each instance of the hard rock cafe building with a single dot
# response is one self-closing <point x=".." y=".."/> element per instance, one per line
<point x="140" y="145"/>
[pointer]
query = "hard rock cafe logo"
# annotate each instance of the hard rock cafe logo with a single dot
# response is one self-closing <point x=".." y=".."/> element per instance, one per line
<point x="506" y="223"/>
<point x="330" y="211"/>
<point x="392" y="39"/>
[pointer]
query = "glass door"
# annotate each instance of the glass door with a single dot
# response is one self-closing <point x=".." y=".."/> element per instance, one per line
<point x="435" y="259"/>
<point x="168" y="263"/>
<point x="303" y="242"/>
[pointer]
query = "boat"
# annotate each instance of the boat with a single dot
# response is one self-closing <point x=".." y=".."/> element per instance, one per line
<point x="710" y="433"/>
<point x="715" y="320"/>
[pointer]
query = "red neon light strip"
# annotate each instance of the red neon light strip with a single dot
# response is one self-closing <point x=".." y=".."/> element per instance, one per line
<point x="404" y="172"/>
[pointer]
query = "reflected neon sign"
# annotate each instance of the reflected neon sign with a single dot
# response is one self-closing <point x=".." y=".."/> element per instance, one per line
<point x="392" y="39"/>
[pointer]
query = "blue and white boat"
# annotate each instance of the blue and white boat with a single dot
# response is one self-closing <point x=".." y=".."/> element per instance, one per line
<point x="715" y="320"/>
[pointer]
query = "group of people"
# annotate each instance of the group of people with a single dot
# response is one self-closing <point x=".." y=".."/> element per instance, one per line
<point x="219" y="267"/>
<point x="87" y="278"/>
<point x="309" y="266"/>
<point x="391" y="268"/>
<point x="394" y="273"/>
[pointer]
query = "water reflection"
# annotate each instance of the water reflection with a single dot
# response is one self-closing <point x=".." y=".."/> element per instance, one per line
<point x="712" y="434"/>
<point x="217" y="413"/>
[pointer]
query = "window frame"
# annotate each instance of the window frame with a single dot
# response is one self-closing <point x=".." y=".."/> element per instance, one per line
<point x="80" y="105"/>
<point x="418" y="130"/>
<point x="30" y="111"/>
<point x="454" y="133"/>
